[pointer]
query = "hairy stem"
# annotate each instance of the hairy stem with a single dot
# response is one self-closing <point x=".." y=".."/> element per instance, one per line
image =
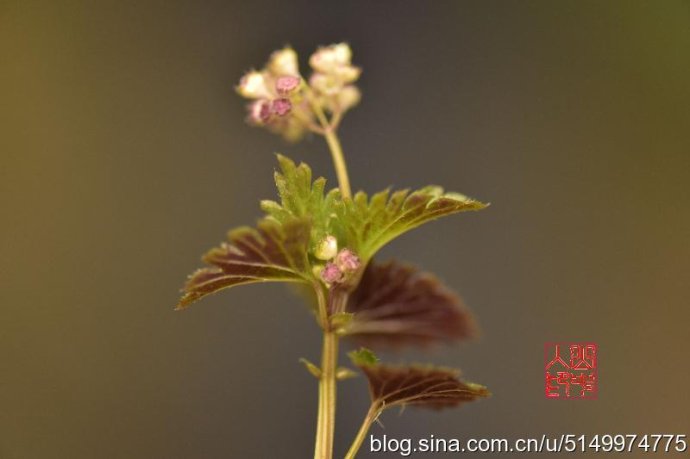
<point x="372" y="415"/>
<point x="327" y="397"/>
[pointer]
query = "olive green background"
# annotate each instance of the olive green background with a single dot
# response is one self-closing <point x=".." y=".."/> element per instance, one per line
<point x="124" y="156"/>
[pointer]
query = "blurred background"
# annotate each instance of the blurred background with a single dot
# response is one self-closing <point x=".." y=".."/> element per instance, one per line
<point x="125" y="156"/>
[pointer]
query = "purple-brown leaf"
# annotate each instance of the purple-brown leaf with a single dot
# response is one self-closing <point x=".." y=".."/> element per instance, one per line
<point x="396" y="304"/>
<point x="428" y="387"/>
<point x="272" y="252"/>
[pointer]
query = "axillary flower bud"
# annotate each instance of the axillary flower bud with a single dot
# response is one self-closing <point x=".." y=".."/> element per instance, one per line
<point x="347" y="261"/>
<point x="331" y="274"/>
<point x="327" y="248"/>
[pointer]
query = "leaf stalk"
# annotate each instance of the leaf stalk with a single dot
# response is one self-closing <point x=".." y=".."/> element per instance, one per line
<point x="372" y="415"/>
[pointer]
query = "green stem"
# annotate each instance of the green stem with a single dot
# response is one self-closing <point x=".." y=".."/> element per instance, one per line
<point x="327" y="397"/>
<point x="372" y="415"/>
<point x="338" y="162"/>
<point x="329" y="128"/>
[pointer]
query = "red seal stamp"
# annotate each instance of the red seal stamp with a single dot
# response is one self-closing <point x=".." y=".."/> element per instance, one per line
<point x="570" y="370"/>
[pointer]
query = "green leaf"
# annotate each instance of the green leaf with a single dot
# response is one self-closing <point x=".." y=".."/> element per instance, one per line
<point x="279" y="249"/>
<point x="302" y="198"/>
<point x="362" y="224"/>
<point x="273" y="252"/>
<point x="363" y="357"/>
<point x="369" y="224"/>
<point x="423" y="386"/>
<point x="395" y="304"/>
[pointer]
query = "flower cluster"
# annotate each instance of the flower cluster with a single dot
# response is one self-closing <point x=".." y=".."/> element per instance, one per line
<point x="285" y="103"/>
<point x="333" y="77"/>
<point x="341" y="264"/>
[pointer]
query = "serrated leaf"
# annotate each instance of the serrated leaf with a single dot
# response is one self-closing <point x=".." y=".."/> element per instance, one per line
<point x="396" y="304"/>
<point x="363" y="224"/>
<point x="302" y="198"/>
<point x="369" y="224"/>
<point x="274" y="251"/>
<point x="428" y="387"/>
<point x="278" y="250"/>
<point x="363" y="357"/>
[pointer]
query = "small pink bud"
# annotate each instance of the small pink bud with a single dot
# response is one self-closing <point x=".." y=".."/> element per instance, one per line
<point x="286" y="84"/>
<point x="347" y="261"/>
<point x="259" y="112"/>
<point x="331" y="273"/>
<point x="281" y="107"/>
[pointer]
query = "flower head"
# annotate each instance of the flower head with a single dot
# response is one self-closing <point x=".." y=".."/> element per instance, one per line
<point x="333" y="75"/>
<point x="286" y="105"/>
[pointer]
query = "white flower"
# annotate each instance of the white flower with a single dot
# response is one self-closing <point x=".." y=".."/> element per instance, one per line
<point x="325" y="84"/>
<point x="327" y="248"/>
<point x="284" y="62"/>
<point x="329" y="58"/>
<point x="348" y="97"/>
<point x="254" y="85"/>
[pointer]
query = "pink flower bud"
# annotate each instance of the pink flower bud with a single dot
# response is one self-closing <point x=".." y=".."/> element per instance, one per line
<point x="286" y="84"/>
<point x="281" y="107"/>
<point x="347" y="261"/>
<point x="259" y="112"/>
<point x="331" y="273"/>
